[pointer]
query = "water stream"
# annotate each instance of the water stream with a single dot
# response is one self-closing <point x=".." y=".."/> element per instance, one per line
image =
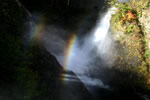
<point x="82" y="56"/>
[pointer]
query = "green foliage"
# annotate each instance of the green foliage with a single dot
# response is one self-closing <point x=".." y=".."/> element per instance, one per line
<point x="128" y="20"/>
<point x="121" y="15"/>
<point x="112" y="2"/>
<point x="130" y="28"/>
<point x="147" y="54"/>
<point x="124" y="7"/>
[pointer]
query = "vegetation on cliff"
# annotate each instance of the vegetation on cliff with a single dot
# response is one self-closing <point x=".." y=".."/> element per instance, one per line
<point x="130" y="25"/>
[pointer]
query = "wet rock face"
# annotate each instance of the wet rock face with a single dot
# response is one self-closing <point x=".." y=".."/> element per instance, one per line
<point x="145" y="22"/>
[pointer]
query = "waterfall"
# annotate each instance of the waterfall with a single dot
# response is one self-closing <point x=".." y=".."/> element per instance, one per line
<point x="83" y="55"/>
<point x="100" y="38"/>
<point x="81" y="58"/>
<point x="102" y="28"/>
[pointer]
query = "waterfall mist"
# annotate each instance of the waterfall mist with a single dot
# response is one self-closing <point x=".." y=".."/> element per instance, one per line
<point x="88" y="58"/>
<point x="97" y="48"/>
<point x="95" y="52"/>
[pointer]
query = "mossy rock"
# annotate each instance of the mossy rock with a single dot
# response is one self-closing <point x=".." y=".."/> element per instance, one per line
<point x="138" y="5"/>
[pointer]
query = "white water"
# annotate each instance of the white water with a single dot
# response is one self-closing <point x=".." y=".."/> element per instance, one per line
<point x="98" y="38"/>
<point x="83" y="56"/>
<point x="101" y="31"/>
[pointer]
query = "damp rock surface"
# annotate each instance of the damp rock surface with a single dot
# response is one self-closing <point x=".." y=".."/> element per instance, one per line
<point x="129" y="26"/>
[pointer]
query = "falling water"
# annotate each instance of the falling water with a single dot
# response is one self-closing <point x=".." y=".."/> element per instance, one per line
<point x="82" y="56"/>
<point x="101" y="31"/>
<point x="102" y="42"/>
<point x="102" y="28"/>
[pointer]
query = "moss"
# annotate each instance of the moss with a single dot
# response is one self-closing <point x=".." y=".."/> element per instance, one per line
<point x="138" y="5"/>
<point x="126" y="25"/>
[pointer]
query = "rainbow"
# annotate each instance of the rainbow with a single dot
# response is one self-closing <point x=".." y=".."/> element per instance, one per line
<point x="70" y="46"/>
<point x="36" y="34"/>
<point x="38" y="28"/>
<point x="68" y="53"/>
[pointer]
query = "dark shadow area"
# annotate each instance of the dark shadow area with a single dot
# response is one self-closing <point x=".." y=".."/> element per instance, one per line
<point x="45" y="5"/>
<point x="51" y="84"/>
<point x="28" y="71"/>
<point x="124" y="83"/>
